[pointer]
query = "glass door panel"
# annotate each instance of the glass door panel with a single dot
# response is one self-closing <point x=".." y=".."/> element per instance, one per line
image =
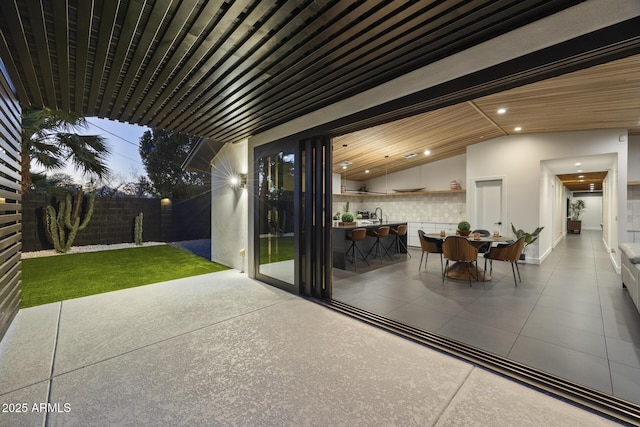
<point x="275" y="246"/>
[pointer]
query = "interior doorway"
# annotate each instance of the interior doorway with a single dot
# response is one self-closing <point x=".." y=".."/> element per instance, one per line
<point x="490" y="205"/>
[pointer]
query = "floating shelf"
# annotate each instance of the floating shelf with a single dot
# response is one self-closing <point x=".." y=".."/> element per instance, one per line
<point x="395" y="193"/>
<point x="632" y="183"/>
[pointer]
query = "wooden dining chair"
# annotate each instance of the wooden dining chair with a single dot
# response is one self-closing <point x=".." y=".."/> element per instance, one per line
<point x="430" y="245"/>
<point x="458" y="249"/>
<point x="509" y="252"/>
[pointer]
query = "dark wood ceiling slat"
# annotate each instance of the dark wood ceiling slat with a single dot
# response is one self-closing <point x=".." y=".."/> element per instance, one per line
<point x="10" y="65"/>
<point x="188" y="52"/>
<point x="376" y="48"/>
<point x="229" y="69"/>
<point x="227" y="78"/>
<point x="38" y="28"/>
<point x="169" y="41"/>
<point x="239" y="26"/>
<point x="301" y="63"/>
<point x="21" y="54"/>
<point x="158" y="33"/>
<point x="197" y="64"/>
<point x="125" y="40"/>
<point x="61" y="25"/>
<point x="82" y="38"/>
<point x="105" y="36"/>
<point x="344" y="85"/>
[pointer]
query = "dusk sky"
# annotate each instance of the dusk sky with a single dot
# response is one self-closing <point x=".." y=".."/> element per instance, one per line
<point x="122" y="140"/>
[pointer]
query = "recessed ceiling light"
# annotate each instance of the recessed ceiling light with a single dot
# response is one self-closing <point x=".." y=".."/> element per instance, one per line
<point x="581" y="176"/>
<point x="344" y="167"/>
<point x="367" y="171"/>
<point x="579" y="170"/>
<point x="578" y="164"/>
<point x="582" y="180"/>
<point x="502" y="110"/>
<point x="517" y="129"/>
<point x="427" y="152"/>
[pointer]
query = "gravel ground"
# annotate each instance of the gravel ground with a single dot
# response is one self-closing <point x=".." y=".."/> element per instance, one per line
<point x="88" y="248"/>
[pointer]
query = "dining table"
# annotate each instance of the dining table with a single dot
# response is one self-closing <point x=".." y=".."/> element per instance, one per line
<point x="459" y="270"/>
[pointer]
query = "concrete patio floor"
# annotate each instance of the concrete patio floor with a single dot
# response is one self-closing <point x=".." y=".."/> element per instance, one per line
<point x="222" y="349"/>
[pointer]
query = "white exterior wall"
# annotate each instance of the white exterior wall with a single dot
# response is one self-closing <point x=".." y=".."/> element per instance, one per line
<point x="229" y="208"/>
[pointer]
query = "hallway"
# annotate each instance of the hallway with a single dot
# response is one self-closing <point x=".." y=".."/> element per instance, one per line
<point x="570" y="316"/>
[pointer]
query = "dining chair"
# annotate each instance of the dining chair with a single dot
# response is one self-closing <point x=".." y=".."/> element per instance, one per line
<point x="398" y="232"/>
<point x="354" y="237"/>
<point x="458" y="249"/>
<point x="430" y="245"/>
<point x="509" y="252"/>
<point x="381" y="233"/>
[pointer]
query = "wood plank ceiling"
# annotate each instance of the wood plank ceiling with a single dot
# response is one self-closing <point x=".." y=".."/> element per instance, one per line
<point x="601" y="97"/>
<point x="226" y="70"/>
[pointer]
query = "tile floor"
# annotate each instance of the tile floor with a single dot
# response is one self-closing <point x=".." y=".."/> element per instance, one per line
<point x="223" y="350"/>
<point x="570" y="315"/>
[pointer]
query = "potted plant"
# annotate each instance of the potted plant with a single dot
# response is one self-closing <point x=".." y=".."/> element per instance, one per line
<point x="576" y="208"/>
<point x="529" y="238"/>
<point x="464" y="228"/>
<point x="347" y="217"/>
<point x="574" y="224"/>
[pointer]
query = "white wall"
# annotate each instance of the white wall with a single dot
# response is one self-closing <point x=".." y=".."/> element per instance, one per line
<point x="229" y="209"/>
<point x="591" y="216"/>
<point x="634" y="158"/>
<point x="431" y="176"/>
<point x="528" y="194"/>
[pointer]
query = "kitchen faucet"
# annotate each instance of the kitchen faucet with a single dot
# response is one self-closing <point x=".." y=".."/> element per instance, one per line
<point x="376" y="214"/>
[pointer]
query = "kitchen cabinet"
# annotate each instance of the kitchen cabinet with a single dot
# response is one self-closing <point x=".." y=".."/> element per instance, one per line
<point x="427" y="227"/>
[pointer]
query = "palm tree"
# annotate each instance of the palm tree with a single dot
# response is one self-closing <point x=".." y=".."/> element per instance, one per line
<point x="49" y="137"/>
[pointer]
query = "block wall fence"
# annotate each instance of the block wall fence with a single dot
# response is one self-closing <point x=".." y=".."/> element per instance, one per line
<point x="165" y="220"/>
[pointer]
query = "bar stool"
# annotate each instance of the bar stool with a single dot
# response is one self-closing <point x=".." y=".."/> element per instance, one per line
<point x="398" y="232"/>
<point x="356" y="235"/>
<point x="381" y="233"/>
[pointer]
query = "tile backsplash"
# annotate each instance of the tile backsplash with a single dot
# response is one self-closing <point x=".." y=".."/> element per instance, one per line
<point x="440" y="207"/>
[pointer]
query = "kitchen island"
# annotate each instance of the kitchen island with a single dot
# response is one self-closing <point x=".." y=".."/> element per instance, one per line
<point x="340" y="244"/>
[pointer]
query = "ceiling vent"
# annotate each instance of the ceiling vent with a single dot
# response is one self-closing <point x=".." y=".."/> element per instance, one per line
<point x="409" y="155"/>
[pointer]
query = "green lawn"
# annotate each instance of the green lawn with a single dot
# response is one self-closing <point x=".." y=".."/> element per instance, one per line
<point x="62" y="277"/>
<point x="281" y="249"/>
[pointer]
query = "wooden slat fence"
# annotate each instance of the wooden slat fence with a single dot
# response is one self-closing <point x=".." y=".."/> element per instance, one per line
<point x="10" y="204"/>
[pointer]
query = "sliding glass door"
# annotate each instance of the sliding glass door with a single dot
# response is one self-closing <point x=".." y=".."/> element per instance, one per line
<point x="276" y="205"/>
<point x="292" y="215"/>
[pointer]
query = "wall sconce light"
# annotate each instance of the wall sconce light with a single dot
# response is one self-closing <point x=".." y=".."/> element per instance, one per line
<point x="239" y="181"/>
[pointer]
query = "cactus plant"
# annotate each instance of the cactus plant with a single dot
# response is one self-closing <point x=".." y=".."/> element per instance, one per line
<point x="137" y="229"/>
<point x="67" y="217"/>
